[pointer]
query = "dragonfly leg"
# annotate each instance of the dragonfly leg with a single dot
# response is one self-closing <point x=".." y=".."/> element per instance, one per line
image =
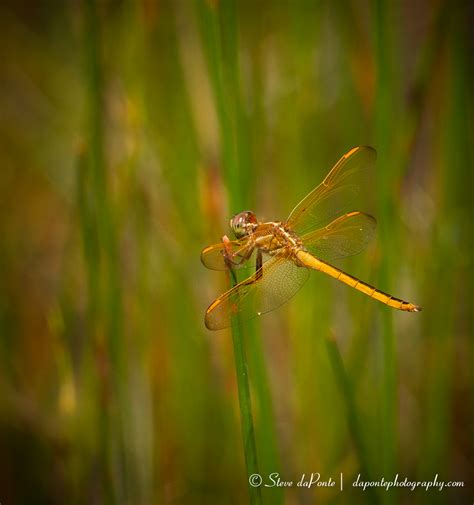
<point x="258" y="270"/>
<point x="231" y="259"/>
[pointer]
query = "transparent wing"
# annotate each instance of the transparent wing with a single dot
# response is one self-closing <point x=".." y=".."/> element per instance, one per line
<point x="271" y="286"/>
<point x="213" y="256"/>
<point x="345" y="236"/>
<point x="336" y="194"/>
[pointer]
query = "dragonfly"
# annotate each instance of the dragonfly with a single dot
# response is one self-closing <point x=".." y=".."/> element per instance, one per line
<point x="319" y="229"/>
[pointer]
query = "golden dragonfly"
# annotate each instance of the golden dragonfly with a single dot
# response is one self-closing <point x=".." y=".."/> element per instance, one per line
<point x="282" y="253"/>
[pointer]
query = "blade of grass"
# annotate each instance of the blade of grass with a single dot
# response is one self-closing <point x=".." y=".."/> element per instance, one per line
<point x="425" y="71"/>
<point x="248" y="432"/>
<point x="210" y="34"/>
<point x="87" y="178"/>
<point x="447" y="238"/>
<point x="219" y="31"/>
<point x="267" y="447"/>
<point x="224" y="80"/>
<point x="106" y="296"/>
<point x="352" y="417"/>
<point x="385" y="118"/>
<point x="245" y="403"/>
<point x="91" y="386"/>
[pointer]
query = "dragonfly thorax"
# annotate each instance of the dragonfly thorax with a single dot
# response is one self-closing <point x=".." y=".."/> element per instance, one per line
<point x="243" y="223"/>
<point x="275" y="238"/>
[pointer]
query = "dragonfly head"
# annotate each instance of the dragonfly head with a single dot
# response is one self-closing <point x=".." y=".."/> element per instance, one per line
<point x="243" y="223"/>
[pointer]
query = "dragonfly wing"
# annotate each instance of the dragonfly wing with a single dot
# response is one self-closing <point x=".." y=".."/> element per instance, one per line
<point x="345" y="236"/>
<point x="213" y="256"/>
<point x="275" y="283"/>
<point x="338" y="191"/>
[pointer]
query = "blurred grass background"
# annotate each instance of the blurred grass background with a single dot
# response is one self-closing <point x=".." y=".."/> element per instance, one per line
<point x="130" y="133"/>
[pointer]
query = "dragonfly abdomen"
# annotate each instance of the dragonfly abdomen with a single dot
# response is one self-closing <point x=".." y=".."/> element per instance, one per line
<point x="310" y="261"/>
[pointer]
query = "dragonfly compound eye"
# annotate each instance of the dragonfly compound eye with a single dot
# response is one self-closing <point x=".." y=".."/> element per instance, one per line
<point x="242" y="223"/>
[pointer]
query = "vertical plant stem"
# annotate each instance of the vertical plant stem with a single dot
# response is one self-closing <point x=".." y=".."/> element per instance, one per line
<point x="450" y="234"/>
<point x="385" y="112"/>
<point x="353" y="421"/>
<point x="90" y="177"/>
<point x="105" y="302"/>
<point x="220" y="47"/>
<point x="268" y="451"/>
<point x="245" y="403"/>
<point x="219" y="30"/>
<point x="246" y="420"/>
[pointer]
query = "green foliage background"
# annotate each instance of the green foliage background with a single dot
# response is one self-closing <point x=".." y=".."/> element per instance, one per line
<point x="130" y="132"/>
